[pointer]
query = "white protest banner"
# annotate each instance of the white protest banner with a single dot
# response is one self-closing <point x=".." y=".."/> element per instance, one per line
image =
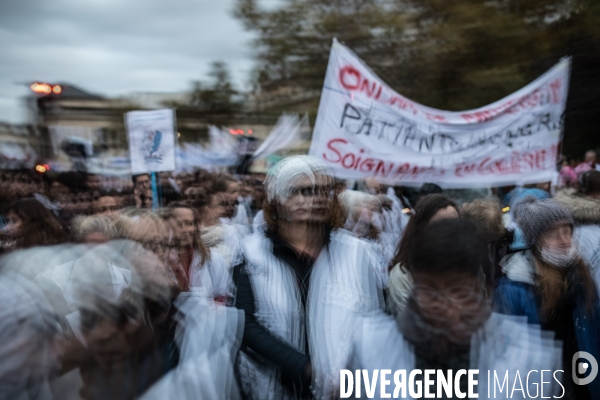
<point x="221" y="142"/>
<point x="286" y="133"/>
<point x="151" y="137"/>
<point x="192" y="155"/>
<point x="364" y="129"/>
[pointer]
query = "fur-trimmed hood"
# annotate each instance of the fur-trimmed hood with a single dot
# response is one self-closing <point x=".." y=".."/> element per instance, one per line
<point x="585" y="210"/>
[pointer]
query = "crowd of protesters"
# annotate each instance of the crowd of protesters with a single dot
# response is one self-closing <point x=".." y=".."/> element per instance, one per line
<point x="207" y="285"/>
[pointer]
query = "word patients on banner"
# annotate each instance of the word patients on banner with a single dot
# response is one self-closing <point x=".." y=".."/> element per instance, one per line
<point x="365" y="129"/>
<point x="151" y="140"/>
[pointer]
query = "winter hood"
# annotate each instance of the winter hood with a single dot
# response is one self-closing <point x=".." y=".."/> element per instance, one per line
<point x="584" y="210"/>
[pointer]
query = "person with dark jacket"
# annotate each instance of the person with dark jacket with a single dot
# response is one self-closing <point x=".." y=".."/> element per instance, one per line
<point x="292" y="286"/>
<point x="552" y="286"/>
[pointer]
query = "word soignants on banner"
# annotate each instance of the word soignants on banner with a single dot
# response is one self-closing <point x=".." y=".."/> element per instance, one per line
<point x="151" y="137"/>
<point x="365" y="129"/>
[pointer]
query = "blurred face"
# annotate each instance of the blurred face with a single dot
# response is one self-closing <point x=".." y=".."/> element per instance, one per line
<point x="245" y="191"/>
<point x="107" y="206"/>
<point x="444" y="213"/>
<point x="146" y="198"/>
<point x="183" y="226"/>
<point x="214" y="210"/>
<point x="258" y="196"/>
<point x="363" y="216"/>
<point x="373" y="187"/>
<point x="308" y="203"/>
<point x="93" y="182"/>
<point x="23" y="185"/>
<point x="191" y="195"/>
<point x="179" y="182"/>
<point x="107" y="340"/>
<point x="233" y="191"/>
<point x="142" y="182"/>
<point x="590" y="157"/>
<point x="147" y="233"/>
<point x="557" y="238"/>
<point x="57" y="189"/>
<point x="227" y="204"/>
<point x="164" y="178"/>
<point x="14" y="224"/>
<point x="444" y="298"/>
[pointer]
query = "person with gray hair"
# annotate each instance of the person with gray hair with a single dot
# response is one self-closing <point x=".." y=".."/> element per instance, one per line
<point x="551" y="285"/>
<point x="301" y="285"/>
<point x="93" y="229"/>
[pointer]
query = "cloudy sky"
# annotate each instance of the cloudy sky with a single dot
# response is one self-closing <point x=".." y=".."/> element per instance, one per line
<point x="114" y="47"/>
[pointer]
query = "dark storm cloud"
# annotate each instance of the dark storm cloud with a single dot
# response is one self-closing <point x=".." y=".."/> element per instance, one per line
<point x="116" y="47"/>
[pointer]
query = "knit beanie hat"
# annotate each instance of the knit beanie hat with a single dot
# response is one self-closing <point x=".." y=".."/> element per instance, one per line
<point x="537" y="217"/>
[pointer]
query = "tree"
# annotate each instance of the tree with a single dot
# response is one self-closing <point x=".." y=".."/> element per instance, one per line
<point x="447" y="54"/>
<point x="293" y="41"/>
<point x="219" y="95"/>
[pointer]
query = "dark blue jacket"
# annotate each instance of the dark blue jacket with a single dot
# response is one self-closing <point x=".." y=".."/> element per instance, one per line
<point x="516" y="297"/>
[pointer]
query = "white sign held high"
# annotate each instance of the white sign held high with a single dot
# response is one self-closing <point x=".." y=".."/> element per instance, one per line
<point x="285" y="134"/>
<point x="151" y="137"/>
<point x="365" y="129"/>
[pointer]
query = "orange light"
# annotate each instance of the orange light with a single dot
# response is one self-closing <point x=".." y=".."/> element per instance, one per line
<point x="41" y="88"/>
<point x="249" y="131"/>
<point x="236" y="131"/>
<point x="57" y="89"/>
<point x="40" y="168"/>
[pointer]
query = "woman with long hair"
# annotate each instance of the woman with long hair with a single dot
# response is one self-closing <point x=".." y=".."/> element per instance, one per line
<point x="447" y="327"/>
<point x="29" y="224"/>
<point x="551" y="285"/>
<point x="300" y="285"/>
<point x="486" y="215"/>
<point x="217" y="236"/>
<point x="430" y="208"/>
<point x="195" y="266"/>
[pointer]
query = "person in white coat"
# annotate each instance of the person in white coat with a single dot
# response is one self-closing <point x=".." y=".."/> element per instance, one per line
<point x="194" y="266"/>
<point x="429" y="209"/>
<point x="447" y="326"/>
<point x="301" y="285"/>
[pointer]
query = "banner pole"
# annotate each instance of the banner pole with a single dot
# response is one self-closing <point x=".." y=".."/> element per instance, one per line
<point x="155" y="200"/>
